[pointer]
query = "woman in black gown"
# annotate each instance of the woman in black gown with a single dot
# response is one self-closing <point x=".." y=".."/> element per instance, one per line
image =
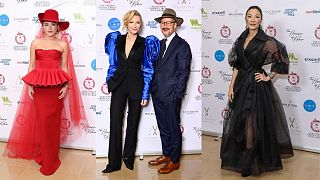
<point x="255" y="133"/>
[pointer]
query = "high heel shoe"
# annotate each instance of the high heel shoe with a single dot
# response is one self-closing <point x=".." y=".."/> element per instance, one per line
<point x="109" y="169"/>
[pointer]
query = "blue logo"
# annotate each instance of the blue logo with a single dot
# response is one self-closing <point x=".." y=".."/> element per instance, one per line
<point x="219" y="55"/>
<point x="114" y="24"/>
<point x="309" y="105"/>
<point x="93" y="65"/>
<point x="290" y="12"/>
<point x="4" y="20"/>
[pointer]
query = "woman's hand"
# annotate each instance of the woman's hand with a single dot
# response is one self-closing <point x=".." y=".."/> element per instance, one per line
<point x="30" y="91"/>
<point x="144" y="102"/>
<point x="230" y="94"/>
<point x="63" y="92"/>
<point x="261" y="77"/>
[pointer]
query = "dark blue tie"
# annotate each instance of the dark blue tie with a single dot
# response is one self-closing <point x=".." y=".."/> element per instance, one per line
<point x="162" y="47"/>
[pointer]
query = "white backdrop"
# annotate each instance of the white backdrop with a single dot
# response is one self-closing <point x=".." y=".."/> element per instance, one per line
<point x="18" y="27"/>
<point x="109" y="18"/>
<point x="295" y="23"/>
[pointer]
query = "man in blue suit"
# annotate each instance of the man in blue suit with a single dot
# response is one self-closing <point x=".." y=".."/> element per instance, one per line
<point x="171" y="73"/>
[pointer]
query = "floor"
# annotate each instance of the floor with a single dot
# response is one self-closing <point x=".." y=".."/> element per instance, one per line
<point x="81" y="165"/>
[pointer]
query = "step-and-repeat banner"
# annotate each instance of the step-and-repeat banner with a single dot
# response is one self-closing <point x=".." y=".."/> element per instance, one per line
<point x="109" y="18"/>
<point x="18" y="26"/>
<point x="293" y="22"/>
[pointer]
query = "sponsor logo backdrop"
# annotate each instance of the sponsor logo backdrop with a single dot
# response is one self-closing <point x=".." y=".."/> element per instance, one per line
<point x="18" y="27"/>
<point x="294" y="23"/>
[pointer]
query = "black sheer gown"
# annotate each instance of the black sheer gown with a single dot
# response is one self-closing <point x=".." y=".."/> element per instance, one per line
<point x="255" y="132"/>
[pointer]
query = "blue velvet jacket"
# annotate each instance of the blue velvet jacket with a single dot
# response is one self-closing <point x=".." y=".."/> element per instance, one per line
<point x="131" y="67"/>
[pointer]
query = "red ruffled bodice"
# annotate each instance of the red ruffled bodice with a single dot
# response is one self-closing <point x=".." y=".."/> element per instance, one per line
<point x="47" y="70"/>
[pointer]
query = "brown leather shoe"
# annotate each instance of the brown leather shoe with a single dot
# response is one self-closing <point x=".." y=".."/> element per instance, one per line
<point x="169" y="167"/>
<point x="159" y="160"/>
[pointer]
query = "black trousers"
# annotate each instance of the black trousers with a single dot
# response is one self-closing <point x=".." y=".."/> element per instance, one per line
<point x="119" y="100"/>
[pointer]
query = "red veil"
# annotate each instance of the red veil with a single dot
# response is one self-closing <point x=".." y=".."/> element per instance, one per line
<point x="23" y="141"/>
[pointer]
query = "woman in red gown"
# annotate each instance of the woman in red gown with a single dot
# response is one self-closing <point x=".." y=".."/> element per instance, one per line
<point x="50" y="95"/>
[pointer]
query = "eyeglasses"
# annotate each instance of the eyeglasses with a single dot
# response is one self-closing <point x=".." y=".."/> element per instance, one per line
<point x="169" y="23"/>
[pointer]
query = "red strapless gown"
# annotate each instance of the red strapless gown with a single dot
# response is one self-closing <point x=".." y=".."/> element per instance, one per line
<point x="36" y="131"/>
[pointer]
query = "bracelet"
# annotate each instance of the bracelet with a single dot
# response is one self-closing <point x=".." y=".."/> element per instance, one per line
<point x="271" y="75"/>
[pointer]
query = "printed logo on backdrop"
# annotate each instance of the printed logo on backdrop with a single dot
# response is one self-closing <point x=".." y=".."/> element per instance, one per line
<point x="159" y="6"/>
<point x="2" y="81"/>
<point x="21" y="1"/>
<point x="89" y="85"/>
<point x="225" y="33"/>
<point x="107" y="6"/>
<point x="313" y="12"/>
<point x="106" y="96"/>
<point x="195" y="24"/>
<point x="236" y="13"/>
<point x="89" y="2"/>
<point x="309" y="105"/>
<point x="114" y="24"/>
<point x="315" y="125"/>
<point x="189" y="112"/>
<point x="312" y="60"/>
<point x="20" y="39"/>
<point x="42" y="4"/>
<point x="219" y="55"/>
<point x="272" y="12"/>
<point x="225" y="114"/>
<point x="3" y="121"/>
<point x="295" y="36"/>
<point x="134" y="3"/>
<point x="204" y="56"/>
<point x="3" y="44"/>
<point x="290" y="104"/>
<point x="315" y="129"/>
<point x="6" y="101"/>
<point x="206" y="73"/>
<point x="316" y="43"/>
<point x="271" y="31"/>
<point x="315" y="81"/>
<point x="152" y="24"/>
<point x="5" y="61"/>
<point x="218" y="13"/>
<point x="21" y="19"/>
<point x="204" y="13"/>
<point x="294" y="126"/>
<point x="293" y="59"/>
<point x="19" y="81"/>
<point x="78" y="18"/>
<point x="197" y="131"/>
<point x="226" y="77"/>
<point x="4" y="20"/>
<point x="293" y="79"/>
<point x="104" y="133"/>
<point x="290" y="12"/>
<point x="87" y="128"/>
<point x="206" y="34"/>
<point x="2" y="4"/>
<point x="184" y="5"/>
<point x="220" y="96"/>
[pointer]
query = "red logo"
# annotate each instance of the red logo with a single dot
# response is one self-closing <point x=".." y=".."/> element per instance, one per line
<point x="315" y="125"/>
<point x="2" y="79"/>
<point x="225" y="31"/>
<point x="200" y="88"/>
<point x="159" y="2"/>
<point x="20" y="38"/>
<point x="317" y="32"/>
<point x="225" y="113"/>
<point x="293" y="78"/>
<point x="65" y="123"/>
<point x="88" y="83"/>
<point x="271" y="31"/>
<point x="104" y="89"/>
<point x="206" y="73"/>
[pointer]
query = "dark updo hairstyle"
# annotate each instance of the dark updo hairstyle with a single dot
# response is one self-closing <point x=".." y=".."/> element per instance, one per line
<point x="254" y="7"/>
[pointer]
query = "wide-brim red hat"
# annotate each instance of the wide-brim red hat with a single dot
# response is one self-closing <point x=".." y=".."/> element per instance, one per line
<point x="52" y="15"/>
